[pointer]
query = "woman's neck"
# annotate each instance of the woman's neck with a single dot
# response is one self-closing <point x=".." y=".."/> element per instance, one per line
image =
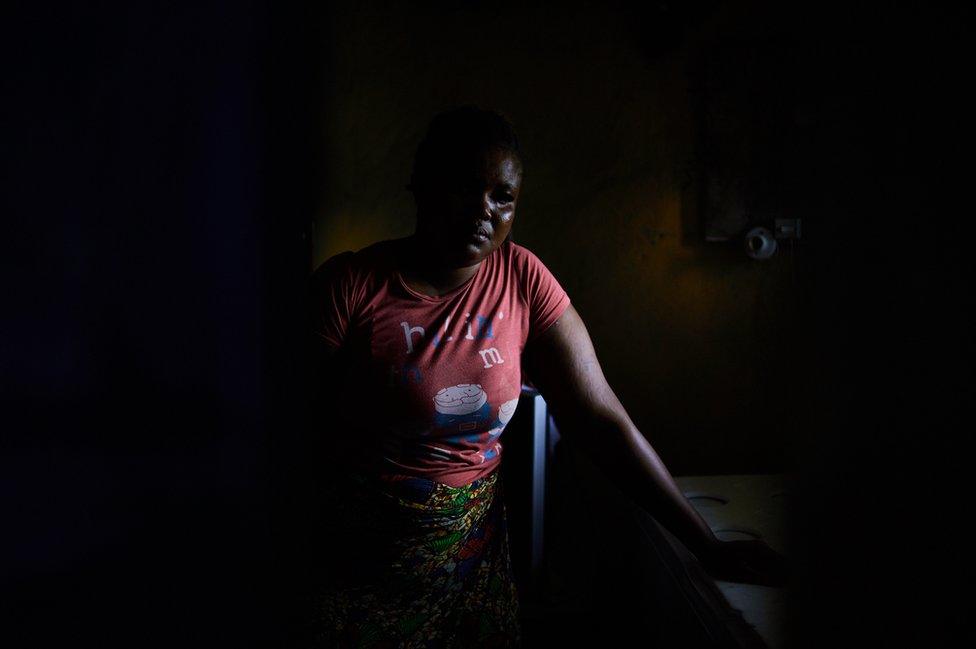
<point x="426" y="271"/>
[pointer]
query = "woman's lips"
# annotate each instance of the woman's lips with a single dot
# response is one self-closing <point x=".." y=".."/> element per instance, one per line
<point x="480" y="235"/>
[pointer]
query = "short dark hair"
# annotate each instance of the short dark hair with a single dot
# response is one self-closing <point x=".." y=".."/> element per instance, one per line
<point x="459" y="134"/>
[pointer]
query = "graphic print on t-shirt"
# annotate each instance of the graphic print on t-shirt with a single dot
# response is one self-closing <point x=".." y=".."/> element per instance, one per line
<point x="465" y="407"/>
<point x="453" y="364"/>
<point x="444" y="372"/>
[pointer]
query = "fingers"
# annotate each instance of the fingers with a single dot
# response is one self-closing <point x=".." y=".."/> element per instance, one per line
<point x="748" y="561"/>
<point x="754" y="562"/>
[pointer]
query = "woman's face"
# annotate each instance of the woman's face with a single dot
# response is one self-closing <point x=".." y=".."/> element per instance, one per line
<point x="469" y="216"/>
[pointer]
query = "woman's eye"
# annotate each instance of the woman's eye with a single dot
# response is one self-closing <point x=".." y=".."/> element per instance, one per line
<point x="503" y="198"/>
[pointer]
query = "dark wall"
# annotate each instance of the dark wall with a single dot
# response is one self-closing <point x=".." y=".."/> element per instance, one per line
<point x="884" y="446"/>
<point x="156" y="166"/>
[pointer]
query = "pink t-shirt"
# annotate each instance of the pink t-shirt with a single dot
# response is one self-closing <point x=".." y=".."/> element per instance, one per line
<point x="433" y="381"/>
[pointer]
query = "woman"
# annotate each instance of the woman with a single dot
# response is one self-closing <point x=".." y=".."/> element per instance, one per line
<point x="421" y="343"/>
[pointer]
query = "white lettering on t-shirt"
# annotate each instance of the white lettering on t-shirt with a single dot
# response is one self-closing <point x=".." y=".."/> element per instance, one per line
<point x="485" y="330"/>
<point x="495" y="356"/>
<point x="407" y="331"/>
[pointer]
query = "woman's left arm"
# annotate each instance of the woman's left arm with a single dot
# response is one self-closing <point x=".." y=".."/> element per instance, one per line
<point x="563" y="365"/>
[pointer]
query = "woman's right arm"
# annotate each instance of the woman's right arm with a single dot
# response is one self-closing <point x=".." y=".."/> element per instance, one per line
<point x="327" y="321"/>
<point x="324" y="361"/>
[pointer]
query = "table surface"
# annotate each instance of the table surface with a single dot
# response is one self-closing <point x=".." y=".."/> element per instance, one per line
<point x="747" y="506"/>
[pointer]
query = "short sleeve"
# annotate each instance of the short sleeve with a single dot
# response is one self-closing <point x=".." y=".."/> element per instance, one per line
<point x="545" y="296"/>
<point x="330" y="301"/>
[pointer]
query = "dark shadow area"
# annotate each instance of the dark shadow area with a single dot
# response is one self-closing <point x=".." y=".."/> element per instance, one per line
<point x="158" y="184"/>
<point x="165" y="166"/>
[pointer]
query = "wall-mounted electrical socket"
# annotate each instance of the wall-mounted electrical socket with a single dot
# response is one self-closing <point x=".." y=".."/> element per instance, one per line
<point x="786" y="228"/>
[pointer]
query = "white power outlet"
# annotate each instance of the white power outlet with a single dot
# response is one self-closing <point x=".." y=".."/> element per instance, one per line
<point x="786" y="228"/>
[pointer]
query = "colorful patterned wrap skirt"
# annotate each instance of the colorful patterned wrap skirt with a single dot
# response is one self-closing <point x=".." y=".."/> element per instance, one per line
<point x="417" y="563"/>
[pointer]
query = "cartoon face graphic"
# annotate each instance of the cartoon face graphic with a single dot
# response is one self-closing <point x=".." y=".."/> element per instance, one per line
<point x="463" y="412"/>
<point x="461" y="399"/>
<point x="506" y="410"/>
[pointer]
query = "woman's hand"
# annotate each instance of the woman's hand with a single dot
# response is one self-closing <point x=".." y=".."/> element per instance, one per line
<point x="748" y="562"/>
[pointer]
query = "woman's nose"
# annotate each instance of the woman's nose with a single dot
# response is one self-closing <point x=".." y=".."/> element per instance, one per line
<point x="485" y="208"/>
<point x="488" y="205"/>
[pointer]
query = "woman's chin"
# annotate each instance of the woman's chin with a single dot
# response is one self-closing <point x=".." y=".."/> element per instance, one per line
<point x="478" y="247"/>
<point x="461" y="252"/>
<point x="471" y="250"/>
